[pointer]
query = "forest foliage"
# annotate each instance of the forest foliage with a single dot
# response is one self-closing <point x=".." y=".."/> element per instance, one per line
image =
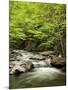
<point x="37" y="26"/>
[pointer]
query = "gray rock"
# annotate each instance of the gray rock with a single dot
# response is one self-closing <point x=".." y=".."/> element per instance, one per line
<point x="38" y="57"/>
<point x="46" y="53"/>
<point x="20" y="67"/>
<point x="58" y="61"/>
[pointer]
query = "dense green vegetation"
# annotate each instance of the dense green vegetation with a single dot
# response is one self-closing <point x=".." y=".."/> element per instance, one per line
<point x="37" y="26"/>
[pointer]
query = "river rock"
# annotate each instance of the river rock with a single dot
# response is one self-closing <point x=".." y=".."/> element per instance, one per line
<point x="20" y="67"/>
<point x="58" y="62"/>
<point x="15" y="55"/>
<point x="46" y="53"/>
<point x="38" y="57"/>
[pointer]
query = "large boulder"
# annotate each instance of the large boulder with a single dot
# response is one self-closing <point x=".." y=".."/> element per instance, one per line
<point x="20" y="67"/>
<point x="58" y="62"/>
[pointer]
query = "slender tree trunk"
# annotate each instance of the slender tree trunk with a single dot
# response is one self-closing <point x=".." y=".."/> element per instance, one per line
<point x="61" y="43"/>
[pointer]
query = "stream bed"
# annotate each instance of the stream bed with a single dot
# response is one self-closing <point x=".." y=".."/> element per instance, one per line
<point x="43" y="75"/>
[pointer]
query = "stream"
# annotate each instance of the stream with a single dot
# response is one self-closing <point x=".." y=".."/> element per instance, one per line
<point x="43" y="74"/>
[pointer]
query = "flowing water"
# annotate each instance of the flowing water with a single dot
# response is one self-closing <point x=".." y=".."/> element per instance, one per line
<point x="43" y="75"/>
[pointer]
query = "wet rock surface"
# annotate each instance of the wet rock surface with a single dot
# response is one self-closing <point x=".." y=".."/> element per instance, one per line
<point x="58" y="62"/>
<point x="20" y="67"/>
<point x="46" y="53"/>
<point x="38" y="57"/>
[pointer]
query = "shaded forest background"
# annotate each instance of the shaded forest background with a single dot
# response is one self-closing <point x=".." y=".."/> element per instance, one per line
<point x="37" y="26"/>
